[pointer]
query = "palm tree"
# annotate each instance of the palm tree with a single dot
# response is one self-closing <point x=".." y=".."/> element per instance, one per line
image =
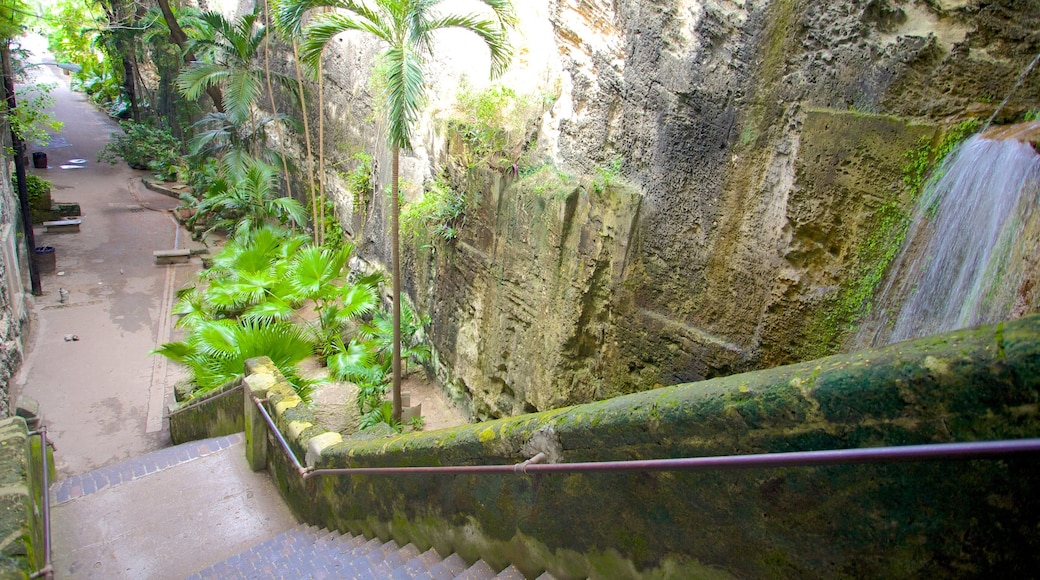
<point x="406" y="27"/>
<point x="245" y="199"/>
<point x="314" y="275"/>
<point x="231" y="47"/>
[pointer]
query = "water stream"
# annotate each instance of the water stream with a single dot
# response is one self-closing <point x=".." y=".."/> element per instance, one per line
<point x="965" y="258"/>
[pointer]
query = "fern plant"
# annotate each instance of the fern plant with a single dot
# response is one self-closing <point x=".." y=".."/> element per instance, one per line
<point x="215" y="351"/>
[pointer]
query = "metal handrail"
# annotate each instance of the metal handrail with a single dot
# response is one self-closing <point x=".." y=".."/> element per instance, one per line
<point x="45" y="512"/>
<point x="892" y="454"/>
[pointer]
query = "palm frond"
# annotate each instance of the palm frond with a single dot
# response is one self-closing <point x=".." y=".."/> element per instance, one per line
<point x="313" y="269"/>
<point x="326" y="26"/>
<point x="404" y="92"/>
<point x="273" y="309"/>
<point x="356" y="300"/>
<point x="194" y="80"/>
<point x="490" y="31"/>
<point x="190" y="307"/>
<point x="175" y="351"/>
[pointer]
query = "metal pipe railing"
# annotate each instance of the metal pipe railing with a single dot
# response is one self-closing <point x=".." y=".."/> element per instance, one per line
<point x="45" y="511"/>
<point x="206" y="399"/>
<point x="954" y="451"/>
<point x="278" y="435"/>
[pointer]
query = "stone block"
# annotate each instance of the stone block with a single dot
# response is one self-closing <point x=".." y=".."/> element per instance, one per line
<point x="62" y="226"/>
<point x="14" y="488"/>
<point x="28" y="409"/>
<point x="177" y="256"/>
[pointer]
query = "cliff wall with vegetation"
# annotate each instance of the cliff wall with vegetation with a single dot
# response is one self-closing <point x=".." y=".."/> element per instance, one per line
<point x="665" y="192"/>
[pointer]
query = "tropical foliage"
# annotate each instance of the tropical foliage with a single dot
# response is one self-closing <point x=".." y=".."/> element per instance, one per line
<point x="273" y="289"/>
<point x="406" y="29"/>
<point x="228" y="52"/>
<point x="243" y="197"/>
<point x="144" y="146"/>
<point x="250" y="302"/>
<point x="29" y="120"/>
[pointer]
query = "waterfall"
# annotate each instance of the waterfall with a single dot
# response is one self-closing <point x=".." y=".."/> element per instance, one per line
<point x="963" y="261"/>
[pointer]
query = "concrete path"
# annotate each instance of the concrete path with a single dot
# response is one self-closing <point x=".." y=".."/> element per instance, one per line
<point x="102" y="396"/>
<point x="126" y="504"/>
<point x="167" y="514"/>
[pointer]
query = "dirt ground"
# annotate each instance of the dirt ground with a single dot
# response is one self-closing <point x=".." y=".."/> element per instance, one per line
<point x="335" y="403"/>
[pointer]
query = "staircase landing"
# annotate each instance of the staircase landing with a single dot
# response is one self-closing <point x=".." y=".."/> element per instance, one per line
<point x="166" y="514"/>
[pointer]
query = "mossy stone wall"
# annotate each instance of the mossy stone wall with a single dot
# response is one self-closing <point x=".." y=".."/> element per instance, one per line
<point x="929" y="519"/>
<point x="215" y="414"/>
<point x="21" y="526"/>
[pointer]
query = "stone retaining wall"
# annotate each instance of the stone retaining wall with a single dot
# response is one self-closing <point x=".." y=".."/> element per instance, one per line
<point x="21" y="530"/>
<point x="968" y="518"/>
<point x="215" y="414"/>
<point x="931" y="519"/>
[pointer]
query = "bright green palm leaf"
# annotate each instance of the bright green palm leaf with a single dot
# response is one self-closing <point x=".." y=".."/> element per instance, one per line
<point x="194" y="80"/>
<point x="175" y="351"/>
<point x="215" y="338"/>
<point x="271" y="310"/>
<point x="314" y="270"/>
<point x="325" y="26"/>
<point x="190" y="307"/>
<point x="355" y="363"/>
<point x="356" y="300"/>
<point x="289" y="210"/>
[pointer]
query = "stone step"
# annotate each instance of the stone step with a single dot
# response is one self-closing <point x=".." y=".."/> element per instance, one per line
<point x="306" y="552"/>
<point x="83" y="484"/>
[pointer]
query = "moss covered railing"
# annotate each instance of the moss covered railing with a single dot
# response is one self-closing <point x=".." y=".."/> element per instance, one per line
<point x="963" y="518"/>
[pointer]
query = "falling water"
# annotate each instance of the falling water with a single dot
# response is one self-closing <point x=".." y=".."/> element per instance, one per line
<point x="962" y="263"/>
<point x="1018" y="83"/>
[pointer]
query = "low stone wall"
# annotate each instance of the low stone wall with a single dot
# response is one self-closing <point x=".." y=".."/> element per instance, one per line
<point x="21" y="529"/>
<point x="215" y="414"/>
<point x="924" y="519"/>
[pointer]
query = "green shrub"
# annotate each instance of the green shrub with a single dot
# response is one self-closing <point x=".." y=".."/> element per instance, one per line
<point x="39" y="190"/>
<point x="439" y="212"/>
<point x="144" y="147"/>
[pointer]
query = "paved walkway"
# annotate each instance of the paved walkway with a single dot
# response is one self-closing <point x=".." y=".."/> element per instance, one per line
<point x="102" y="396"/>
<point x="126" y="505"/>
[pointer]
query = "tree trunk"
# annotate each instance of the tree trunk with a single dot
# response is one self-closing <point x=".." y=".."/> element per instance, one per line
<point x="270" y="95"/>
<point x="395" y="253"/>
<point x="307" y="139"/>
<point x="179" y="38"/>
<point x="130" y="83"/>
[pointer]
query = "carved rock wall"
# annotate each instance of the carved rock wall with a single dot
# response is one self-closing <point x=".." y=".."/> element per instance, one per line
<point x="758" y="141"/>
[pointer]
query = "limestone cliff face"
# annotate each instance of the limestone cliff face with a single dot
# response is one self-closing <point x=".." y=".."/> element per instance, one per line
<point x="761" y="144"/>
<point x="14" y="315"/>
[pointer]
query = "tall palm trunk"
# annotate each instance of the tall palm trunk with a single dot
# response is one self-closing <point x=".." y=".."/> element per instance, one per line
<point x="306" y="139"/>
<point x="395" y="257"/>
<point x="270" y="94"/>
<point x="321" y="155"/>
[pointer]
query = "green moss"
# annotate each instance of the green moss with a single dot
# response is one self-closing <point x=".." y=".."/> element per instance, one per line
<point x="887" y="227"/>
<point x="836" y="521"/>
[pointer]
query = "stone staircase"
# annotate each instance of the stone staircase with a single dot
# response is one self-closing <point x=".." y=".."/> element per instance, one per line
<point x="307" y="552"/>
<point x="143" y="517"/>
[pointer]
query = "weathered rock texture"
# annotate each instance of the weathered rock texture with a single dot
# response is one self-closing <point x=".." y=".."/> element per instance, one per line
<point x="14" y="316"/>
<point x="759" y="142"/>
<point x="21" y="526"/>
